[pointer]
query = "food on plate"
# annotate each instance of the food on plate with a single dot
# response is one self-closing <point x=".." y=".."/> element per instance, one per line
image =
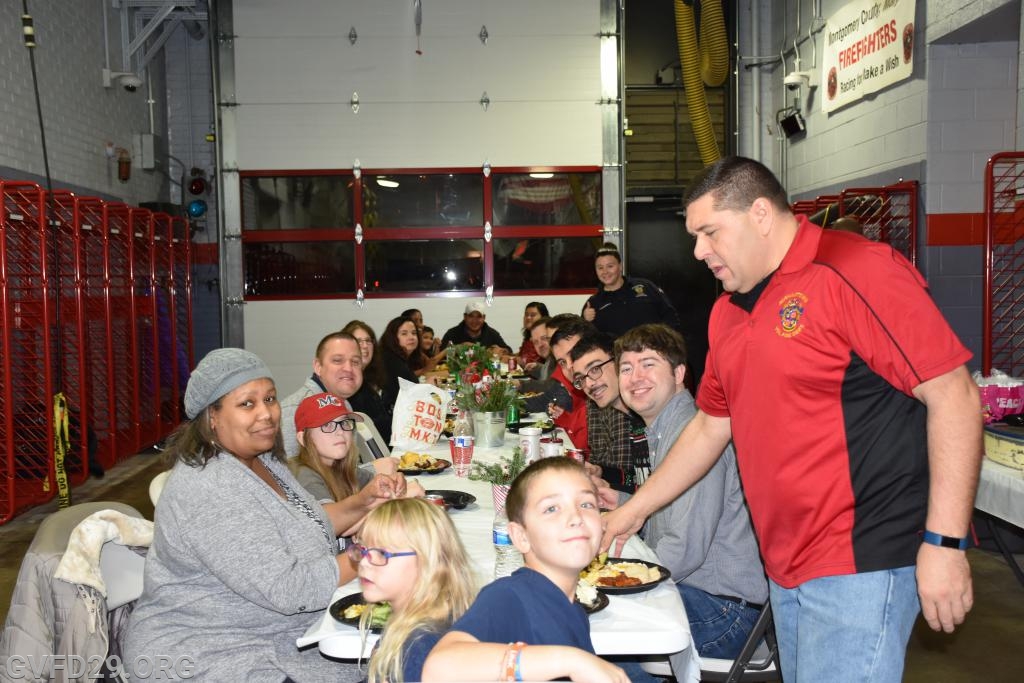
<point x="586" y="594"/>
<point x="417" y="461"/>
<point x="530" y="394"/>
<point x="543" y="424"/>
<point x="618" y="574"/>
<point x="378" y="617"/>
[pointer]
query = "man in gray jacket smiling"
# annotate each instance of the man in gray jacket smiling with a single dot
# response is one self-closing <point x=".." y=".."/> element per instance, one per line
<point x="704" y="536"/>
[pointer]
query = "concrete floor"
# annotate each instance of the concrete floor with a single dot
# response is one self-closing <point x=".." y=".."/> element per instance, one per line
<point x="988" y="647"/>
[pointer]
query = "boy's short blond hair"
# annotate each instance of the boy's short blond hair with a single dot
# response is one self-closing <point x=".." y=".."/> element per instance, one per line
<point x="517" y="495"/>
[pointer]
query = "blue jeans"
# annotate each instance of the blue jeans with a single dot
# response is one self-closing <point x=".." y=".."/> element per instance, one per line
<point x="718" y="627"/>
<point x="846" y="628"/>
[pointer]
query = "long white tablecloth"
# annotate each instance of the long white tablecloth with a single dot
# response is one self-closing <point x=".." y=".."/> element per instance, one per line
<point x="649" y="623"/>
<point x="1001" y="492"/>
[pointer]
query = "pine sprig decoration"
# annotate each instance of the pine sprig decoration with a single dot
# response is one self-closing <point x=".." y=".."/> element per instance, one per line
<point x="502" y="472"/>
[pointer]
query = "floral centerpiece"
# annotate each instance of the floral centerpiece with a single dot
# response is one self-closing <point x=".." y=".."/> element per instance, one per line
<point x="469" y="363"/>
<point x="488" y="402"/>
<point x="501" y="473"/>
<point x="488" y="396"/>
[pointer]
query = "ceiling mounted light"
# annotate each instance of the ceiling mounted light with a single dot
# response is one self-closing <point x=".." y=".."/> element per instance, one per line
<point x="542" y="176"/>
<point x="387" y="182"/>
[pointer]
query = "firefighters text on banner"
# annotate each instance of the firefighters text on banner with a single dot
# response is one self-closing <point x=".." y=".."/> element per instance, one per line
<point x="868" y="45"/>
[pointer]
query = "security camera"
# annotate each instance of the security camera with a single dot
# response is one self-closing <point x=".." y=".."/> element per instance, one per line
<point x="130" y="82"/>
<point x="127" y="79"/>
<point x="795" y="79"/>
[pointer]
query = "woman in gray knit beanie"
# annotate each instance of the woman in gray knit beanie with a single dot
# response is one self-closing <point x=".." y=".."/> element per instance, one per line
<point x="243" y="558"/>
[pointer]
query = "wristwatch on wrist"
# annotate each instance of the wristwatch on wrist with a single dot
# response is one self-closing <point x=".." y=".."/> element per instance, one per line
<point x="945" y="541"/>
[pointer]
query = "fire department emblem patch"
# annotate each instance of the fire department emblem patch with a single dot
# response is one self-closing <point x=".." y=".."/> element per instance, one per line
<point x="791" y="313"/>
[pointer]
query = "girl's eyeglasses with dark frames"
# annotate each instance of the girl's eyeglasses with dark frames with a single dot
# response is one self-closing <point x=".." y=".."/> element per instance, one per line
<point x="346" y="425"/>
<point x="377" y="556"/>
<point x="593" y="373"/>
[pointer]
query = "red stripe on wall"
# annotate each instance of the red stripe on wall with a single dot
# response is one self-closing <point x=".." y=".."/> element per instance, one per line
<point x="204" y="253"/>
<point x="956" y="229"/>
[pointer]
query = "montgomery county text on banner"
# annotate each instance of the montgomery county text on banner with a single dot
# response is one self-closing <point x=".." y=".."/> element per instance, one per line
<point x="868" y="45"/>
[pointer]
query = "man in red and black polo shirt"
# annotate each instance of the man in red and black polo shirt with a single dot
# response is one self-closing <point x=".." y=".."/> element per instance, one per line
<point x="856" y="425"/>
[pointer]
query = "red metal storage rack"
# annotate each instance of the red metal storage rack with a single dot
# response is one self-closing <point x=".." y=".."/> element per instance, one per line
<point x="99" y="351"/>
<point x="162" y="290"/>
<point x="147" y="356"/>
<point x="181" y="273"/>
<point x="888" y="214"/>
<point x="70" y="356"/>
<point x="26" y="433"/>
<point x="1003" y="329"/>
<point x="123" y="370"/>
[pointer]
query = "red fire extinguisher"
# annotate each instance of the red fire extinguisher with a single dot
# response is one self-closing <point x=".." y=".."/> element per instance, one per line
<point x="124" y="165"/>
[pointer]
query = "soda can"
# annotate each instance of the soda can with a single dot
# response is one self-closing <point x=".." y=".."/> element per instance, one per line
<point x="551" y="447"/>
<point x="434" y="499"/>
<point x="511" y="364"/>
<point x="577" y="454"/>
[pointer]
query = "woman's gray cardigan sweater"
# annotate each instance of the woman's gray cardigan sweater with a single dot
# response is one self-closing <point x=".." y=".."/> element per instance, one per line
<point x="234" y="575"/>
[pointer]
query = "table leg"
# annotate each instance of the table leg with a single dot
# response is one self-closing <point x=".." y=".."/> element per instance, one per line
<point x="1004" y="549"/>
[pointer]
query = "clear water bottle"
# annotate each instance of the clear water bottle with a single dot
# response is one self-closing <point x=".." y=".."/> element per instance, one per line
<point x="463" y="424"/>
<point x="506" y="558"/>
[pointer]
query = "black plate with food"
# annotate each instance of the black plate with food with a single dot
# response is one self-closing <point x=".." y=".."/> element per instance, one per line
<point x="453" y="499"/>
<point x="546" y="427"/>
<point x="349" y="610"/>
<point x="599" y="604"/>
<point x="435" y="466"/>
<point x="643" y="576"/>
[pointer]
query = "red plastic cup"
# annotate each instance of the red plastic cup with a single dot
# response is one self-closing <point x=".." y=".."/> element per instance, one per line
<point x="462" y="454"/>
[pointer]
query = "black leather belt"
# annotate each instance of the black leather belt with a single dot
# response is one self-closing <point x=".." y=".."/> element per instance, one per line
<point x="741" y="601"/>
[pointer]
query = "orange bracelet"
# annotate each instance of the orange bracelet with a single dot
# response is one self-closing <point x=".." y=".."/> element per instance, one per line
<point x="511" y="666"/>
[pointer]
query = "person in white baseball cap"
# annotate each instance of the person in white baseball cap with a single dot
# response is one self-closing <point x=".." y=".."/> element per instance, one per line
<point x="475" y="330"/>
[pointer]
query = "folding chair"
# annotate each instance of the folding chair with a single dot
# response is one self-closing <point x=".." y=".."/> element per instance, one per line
<point x="370" y="443"/>
<point x="156" y="486"/>
<point x="758" y="659"/>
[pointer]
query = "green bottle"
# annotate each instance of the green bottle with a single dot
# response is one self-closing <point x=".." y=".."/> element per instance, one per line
<point x="512" y="416"/>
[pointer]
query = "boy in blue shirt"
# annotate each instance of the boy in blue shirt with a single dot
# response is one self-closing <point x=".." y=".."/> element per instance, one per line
<point x="528" y="626"/>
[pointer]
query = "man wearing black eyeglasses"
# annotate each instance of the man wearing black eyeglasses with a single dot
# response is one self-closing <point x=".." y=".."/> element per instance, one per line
<point x="615" y="434"/>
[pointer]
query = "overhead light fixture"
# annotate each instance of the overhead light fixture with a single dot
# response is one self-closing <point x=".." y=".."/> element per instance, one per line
<point x="449" y="275"/>
<point x="387" y="182"/>
<point x="542" y="176"/>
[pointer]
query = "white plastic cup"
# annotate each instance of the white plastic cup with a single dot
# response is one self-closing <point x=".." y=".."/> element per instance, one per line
<point x="529" y="443"/>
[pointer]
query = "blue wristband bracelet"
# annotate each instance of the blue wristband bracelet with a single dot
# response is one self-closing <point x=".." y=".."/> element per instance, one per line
<point x="933" y="538"/>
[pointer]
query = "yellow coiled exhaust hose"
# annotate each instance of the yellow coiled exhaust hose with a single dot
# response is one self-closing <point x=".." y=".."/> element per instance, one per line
<point x="693" y="82"/>
<point x="714" y="44"/>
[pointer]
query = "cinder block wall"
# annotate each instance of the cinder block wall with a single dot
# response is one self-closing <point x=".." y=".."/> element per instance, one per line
<point x="79" y="114"/>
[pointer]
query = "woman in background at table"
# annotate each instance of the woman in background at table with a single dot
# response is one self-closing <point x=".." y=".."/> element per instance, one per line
<point x="243" y="558"/>
<point x="397" y="344"/>
<point x="328" y="461"/>
<point x="410" y="555"/>
<point x="528" y="354"/>
<point x="369" y="398"/>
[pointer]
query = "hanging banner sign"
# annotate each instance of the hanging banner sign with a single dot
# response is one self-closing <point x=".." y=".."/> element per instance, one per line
<point x="868" y="45"/>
